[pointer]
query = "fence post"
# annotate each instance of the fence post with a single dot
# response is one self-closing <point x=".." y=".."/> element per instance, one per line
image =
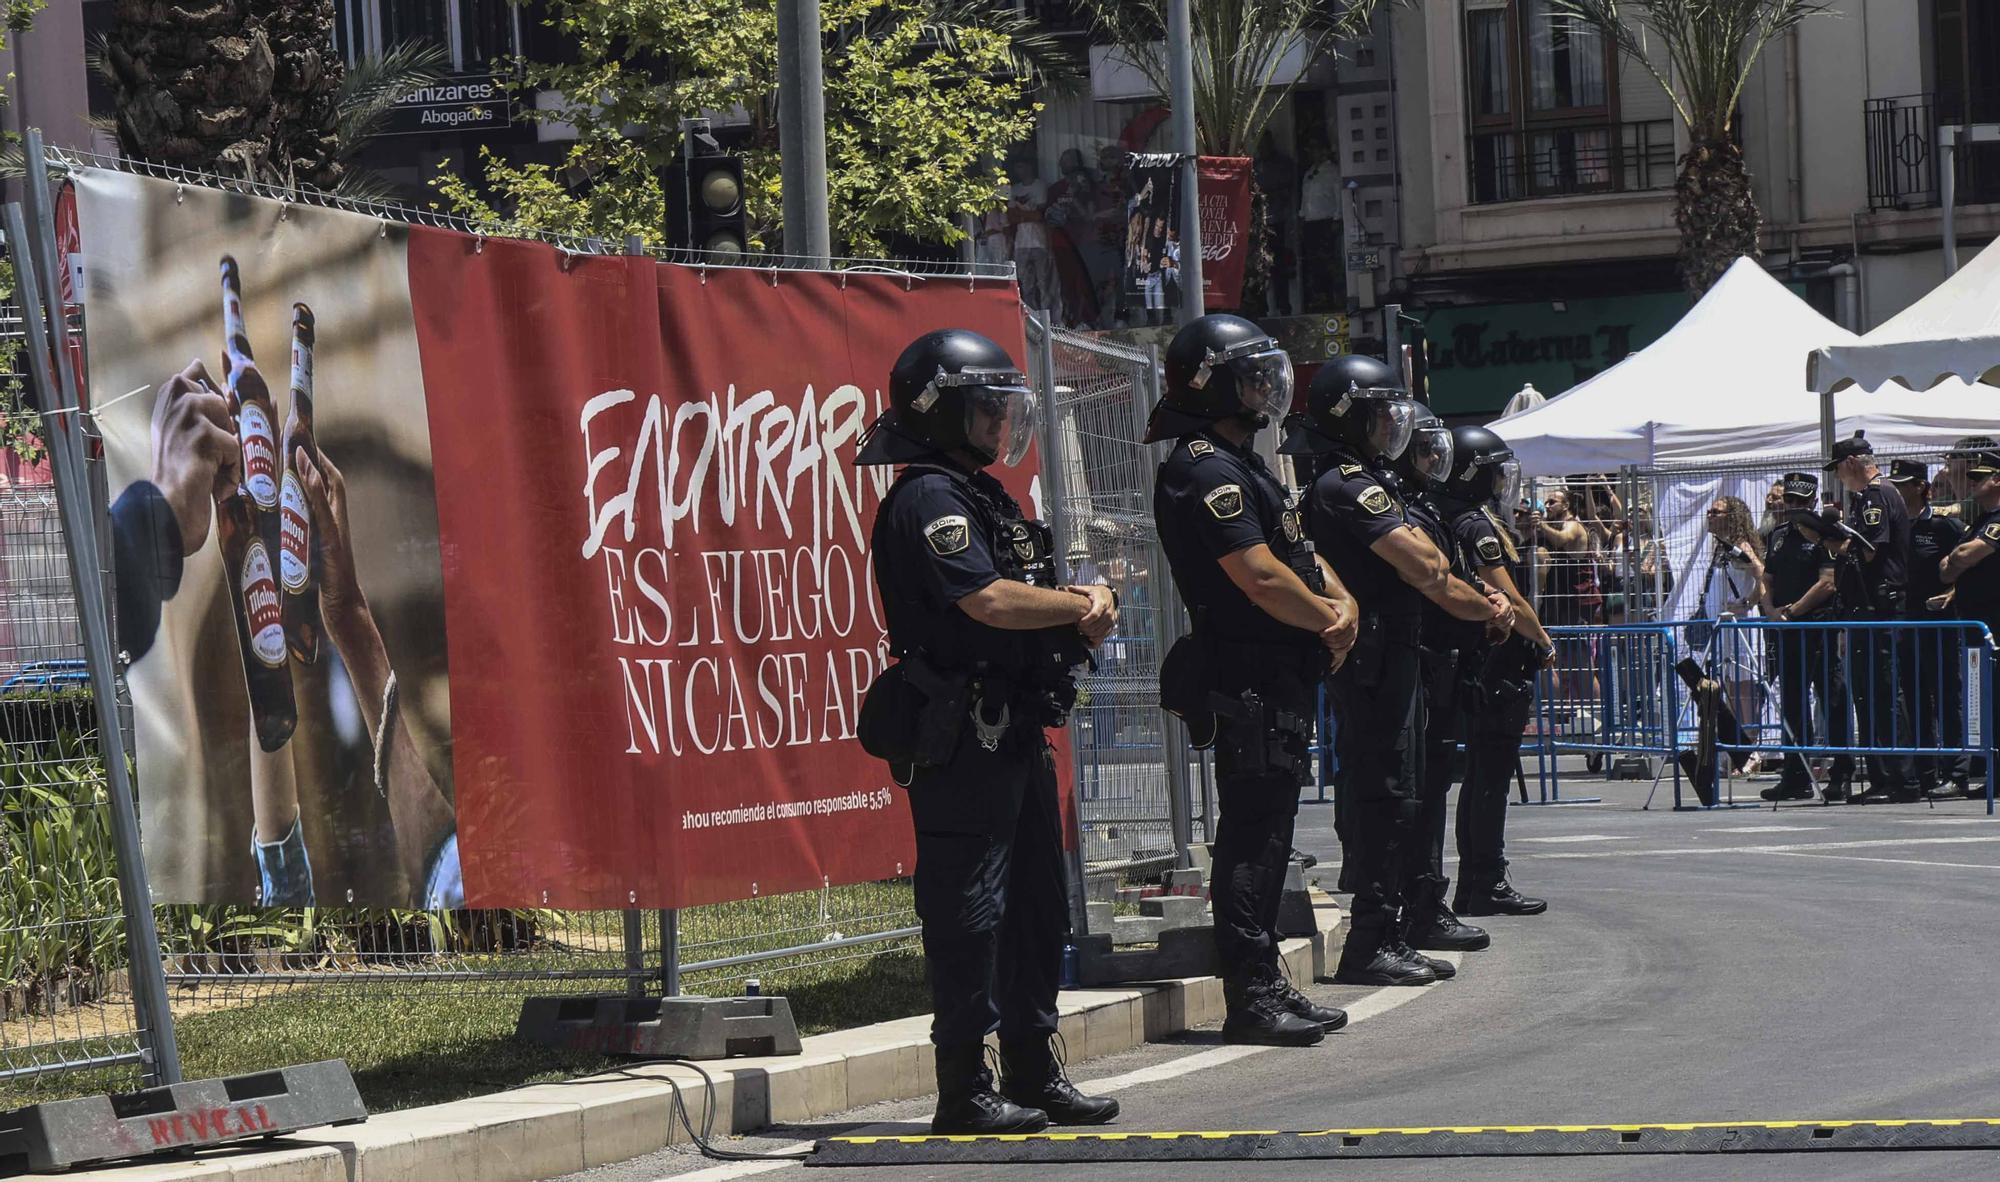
<point x="635" y="954"/>
<point x="66" y="457"/>
<point x="670" y="953"/>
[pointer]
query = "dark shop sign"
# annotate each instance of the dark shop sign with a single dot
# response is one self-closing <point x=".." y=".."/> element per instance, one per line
<point x="465" y="102"/>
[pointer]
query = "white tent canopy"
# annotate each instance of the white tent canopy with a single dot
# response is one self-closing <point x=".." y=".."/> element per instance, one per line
<point x="1948" y="338"/>
<point x="1725" y="384"/>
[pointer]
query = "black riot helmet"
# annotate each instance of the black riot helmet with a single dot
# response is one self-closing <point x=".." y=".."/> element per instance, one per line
<point x="1356" y="403"/>
<point x="1219" y="367"/>
<point x="953" y="389"/>
<point x="1426" y="462"/>
<point x="1483" y="469"/>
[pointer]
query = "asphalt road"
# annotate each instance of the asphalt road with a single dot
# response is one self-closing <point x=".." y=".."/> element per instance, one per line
<point x="1808" y="962"/>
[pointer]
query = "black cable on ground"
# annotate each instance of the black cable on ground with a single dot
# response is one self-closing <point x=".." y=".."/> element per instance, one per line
<point x="701" y="1136"/>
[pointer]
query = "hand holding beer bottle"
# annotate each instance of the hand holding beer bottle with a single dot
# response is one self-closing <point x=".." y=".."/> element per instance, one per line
<point x="247" y="526"/>
<point x="194" y="449"/>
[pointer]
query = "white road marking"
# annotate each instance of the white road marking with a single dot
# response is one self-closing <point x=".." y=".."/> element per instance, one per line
<point x="1678" y="851"/>
<point x="1895" y="861"/>
<point x="1574" y="838"/>
<point x="740" y="1169"/>
<point x="1770" y="829"/>
<point x="1371" y="1005"/>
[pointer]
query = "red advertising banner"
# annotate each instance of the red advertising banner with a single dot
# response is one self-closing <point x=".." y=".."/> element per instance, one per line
<point x="549" y="584"/>
<point x="1224" y="186"/>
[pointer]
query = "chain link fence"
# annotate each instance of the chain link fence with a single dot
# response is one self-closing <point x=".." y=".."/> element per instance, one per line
<point x="1133" y="771"/>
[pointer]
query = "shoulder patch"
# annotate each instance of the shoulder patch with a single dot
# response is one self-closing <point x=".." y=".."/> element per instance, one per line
<point x="1872" y="515"/>
<point x="1200" y="447"/>
<point x="1290" y="519"/>
<point x="1489" y="550"/>
<point x="1226" y="501"/>
<point x="1377" y="500"/>
<point x="1351" y="469"/>
<point x="948" y="535"/>
<point x="1992" y="531"/>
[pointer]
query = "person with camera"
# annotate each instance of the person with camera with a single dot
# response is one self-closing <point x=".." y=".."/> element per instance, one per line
<point x="985" y="639"/>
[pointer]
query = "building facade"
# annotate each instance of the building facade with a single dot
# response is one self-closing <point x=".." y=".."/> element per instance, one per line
<point x="1537" y="230"/>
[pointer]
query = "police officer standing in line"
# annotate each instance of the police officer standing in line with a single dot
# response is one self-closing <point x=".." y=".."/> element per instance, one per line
<point x="1932" y="658"/>
<point x="1359" y="419"/>
<point x="1799" y="588"/>
<point x="1498" y="686"/>
<point x="1872" y="553"/>
<point x="983" y="660"/>
<point x="1268" y="616"/>
<point x="1971" y="570"/>
<point x="1428" y="924"/>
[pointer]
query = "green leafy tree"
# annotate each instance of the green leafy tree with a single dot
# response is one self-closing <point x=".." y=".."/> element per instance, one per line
<point x="17" y="426"/>
<point x="1712" y="46"/>
<point x="923" y="97"/>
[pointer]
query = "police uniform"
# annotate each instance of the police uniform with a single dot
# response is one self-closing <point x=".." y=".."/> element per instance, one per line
<point x="1250" y="676"/>
<point x="1377" y="691"/>
<point x="1496" y="700"/>
<point x="1875" y="588"/>
<point x="989" y="876"/>
<point x="1807" y="664"/>
<point x="1978" y="594"/>
<point x="1448" y="645"/>
<point x="1932" y="658"/>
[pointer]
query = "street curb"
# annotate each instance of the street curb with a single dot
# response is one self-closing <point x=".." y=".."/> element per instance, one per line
<point x="548" y="1130"/>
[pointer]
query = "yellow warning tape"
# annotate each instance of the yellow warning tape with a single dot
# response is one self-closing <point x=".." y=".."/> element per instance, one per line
<point x="1690" y="1126"/>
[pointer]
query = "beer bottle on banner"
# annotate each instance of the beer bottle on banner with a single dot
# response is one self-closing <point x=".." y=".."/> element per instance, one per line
<point x="298" y="555"/>
<point x="247" y="527"/>
<point x="260" y="620"/>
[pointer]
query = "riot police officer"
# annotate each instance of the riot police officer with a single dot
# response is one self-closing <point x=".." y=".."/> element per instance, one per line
<point x="1932" y="657"/>
<point x="1872" y="556"/>
<point x="1970" y="569"/>
<point x="1497" y="695"/>
<point x="1428" y="924"/>
<point x="1359" y="420"/>
<point x="982" y="656"/>
<point x="1267" y="615"/>
<point x="1799" y="588"/>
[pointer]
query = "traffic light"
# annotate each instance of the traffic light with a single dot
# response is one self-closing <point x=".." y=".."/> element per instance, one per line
<point x="705" y="201"/>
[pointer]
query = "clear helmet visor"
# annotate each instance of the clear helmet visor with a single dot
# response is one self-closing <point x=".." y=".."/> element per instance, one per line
<point x="1507" y="485"/>
<point x="1000" y="422"/>
<point x="1391" y="426"/>
<point x="1264" y="382"/>
<point x="1430" y="454"/>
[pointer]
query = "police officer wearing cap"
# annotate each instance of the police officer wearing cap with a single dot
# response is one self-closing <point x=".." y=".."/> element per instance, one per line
<point x="1358" y="419"/>
<point x="1799" y="587"/>
<point x="1932" y="657"/>
<point x="1872" y="555"/>
<point x="1268" y="617"/>
<point x="1428" y="924"/>
<point x="983" y="635"/>
<point x="1497" y="691"/>
<point x="1971" y="570"/>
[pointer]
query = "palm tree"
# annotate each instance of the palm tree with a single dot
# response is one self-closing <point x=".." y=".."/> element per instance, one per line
<point x="252" y="89"/>
<point x="1711" y="45"/>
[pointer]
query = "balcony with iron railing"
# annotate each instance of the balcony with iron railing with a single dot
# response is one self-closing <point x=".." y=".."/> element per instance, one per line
<point x="1572" y="159"/>
<point x="1902" y="133"/>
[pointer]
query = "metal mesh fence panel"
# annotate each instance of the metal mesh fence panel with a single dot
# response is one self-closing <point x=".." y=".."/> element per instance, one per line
<point x="65" y="999"/>
<point x="1132" y="768"/>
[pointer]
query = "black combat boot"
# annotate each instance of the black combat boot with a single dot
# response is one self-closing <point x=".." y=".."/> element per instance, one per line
<point x="1372" y="956"/>
<point x="1498" y="899"/>
<point x="1258" y="1016"/>
<point x="1327" y="1018"/>
<point x="1431" y="926"/>
<point x="1032" y="1076"/>
<point x="968" y="1105"/>
<point x="1443" y="970"/>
